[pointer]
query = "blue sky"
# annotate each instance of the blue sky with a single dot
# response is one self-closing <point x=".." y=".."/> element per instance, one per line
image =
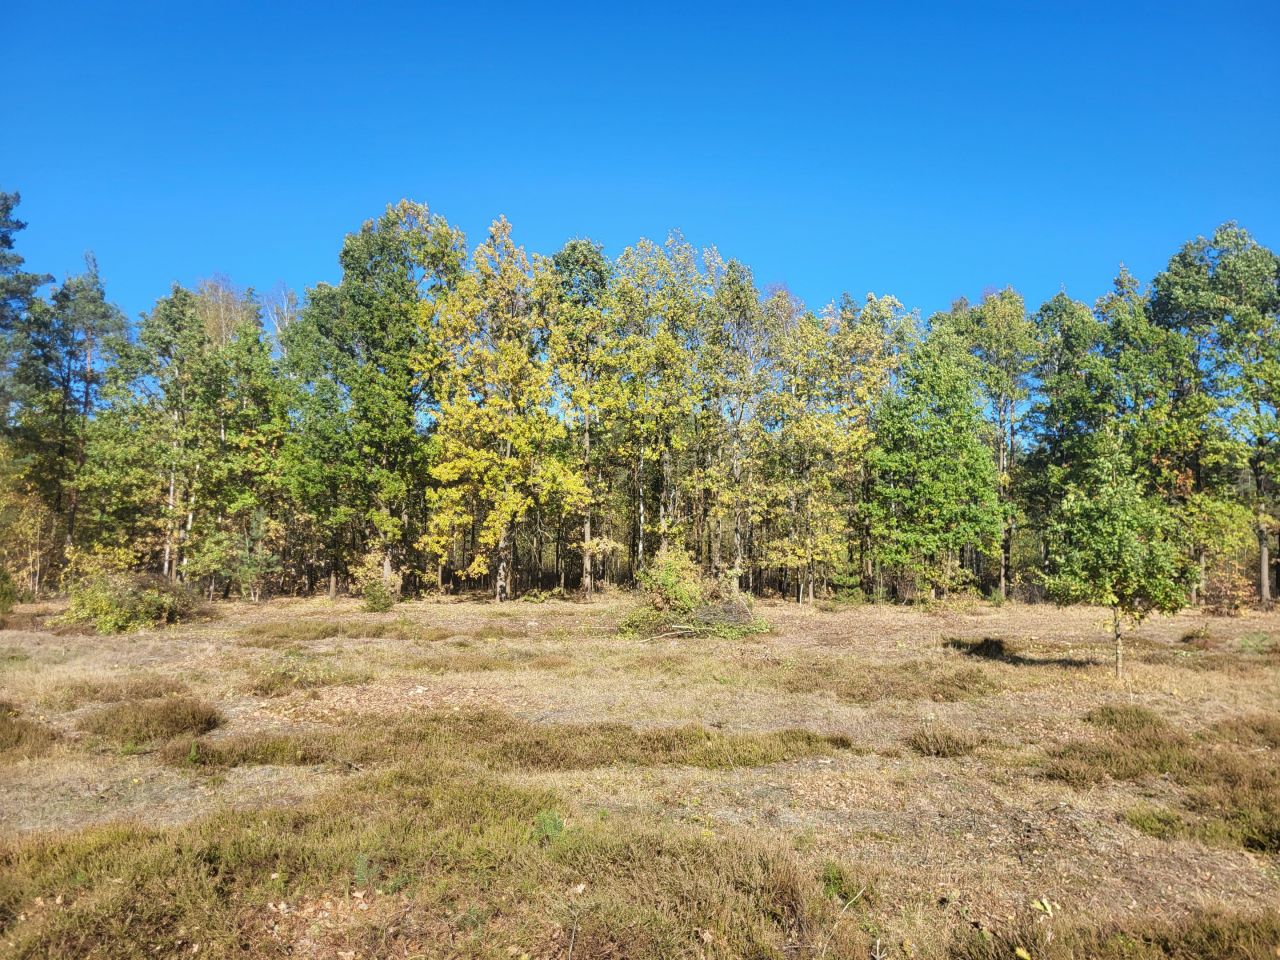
<point x="927" y="150"/>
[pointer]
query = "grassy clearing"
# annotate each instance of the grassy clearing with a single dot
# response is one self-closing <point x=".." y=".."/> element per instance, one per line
<point x="867" y="683"/>
<point x="502" y="742"/>
<point x="488" y="836"/>
<point x="141" y="722"/>
<point x="277" y="634"/>
<point x="20" y="737"/>
<point x="447" y="859"/>
<point x="471" y="870"/>
<point x="1231" y="773"/>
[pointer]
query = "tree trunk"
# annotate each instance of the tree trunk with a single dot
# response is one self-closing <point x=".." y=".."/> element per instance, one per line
<point x="1006" y="553"/>
<point x="1264" y="565"/>
<point x="587" y="586"/>
<point x="1115" y="627"/>
<point x="501" y="586"/>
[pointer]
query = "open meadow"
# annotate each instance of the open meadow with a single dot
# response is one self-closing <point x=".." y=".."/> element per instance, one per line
<point x="469" y="779"/>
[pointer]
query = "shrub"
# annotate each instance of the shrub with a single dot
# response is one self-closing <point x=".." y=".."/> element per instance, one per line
<point x="8" y="592"/>
<point x="118" y="602"/>
<point x="547" y="826"/>
<point x="1228" y="587"/>
<point x="380" y="592"/>
<point x="680" y="603"/>
<point x="672" y="582"/>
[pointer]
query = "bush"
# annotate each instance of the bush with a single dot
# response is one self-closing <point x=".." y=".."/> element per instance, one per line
<point x="8" y="592"/>
<point x="379" y="592"/>
<point x="119" y="602"/>
<point x="672" y="582"/>
<point x="1228" y="587"/>
<point x="680" y="603"/>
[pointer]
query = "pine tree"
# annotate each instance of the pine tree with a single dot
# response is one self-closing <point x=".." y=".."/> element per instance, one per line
<point x="935" y="492"/>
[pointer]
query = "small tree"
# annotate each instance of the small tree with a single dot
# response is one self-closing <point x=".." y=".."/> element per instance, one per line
<point x="1111" y="545"/>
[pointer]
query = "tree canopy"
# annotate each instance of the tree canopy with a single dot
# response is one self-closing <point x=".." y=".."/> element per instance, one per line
<point x="491" y="419"/>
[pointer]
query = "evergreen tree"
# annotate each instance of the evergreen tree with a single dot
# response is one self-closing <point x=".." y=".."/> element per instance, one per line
<point x="61" y="349"/>
<point x="935" y="490"/>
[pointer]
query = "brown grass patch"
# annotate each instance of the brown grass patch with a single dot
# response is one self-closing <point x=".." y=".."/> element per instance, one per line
<point x="290" y="678"/>
<point x="868" y="683"/>
<point x="933" y="741"/>
<point x="1231" y="772"/>
<point x="502" y="742"/>
<point x="463" y="657"/>
<point x="468" y="861"/>
<point x="146" y="721"/>
<point x="1220" y="935"/>
<point x="20" y="737"/>
<point x="277" y="634"/>
<point x="114" y="690"/>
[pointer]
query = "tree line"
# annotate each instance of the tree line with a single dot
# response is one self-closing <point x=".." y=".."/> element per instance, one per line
<point x="446" y="418"/>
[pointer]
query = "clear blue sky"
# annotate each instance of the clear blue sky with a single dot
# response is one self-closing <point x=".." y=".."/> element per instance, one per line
<point x="927" y="150"/>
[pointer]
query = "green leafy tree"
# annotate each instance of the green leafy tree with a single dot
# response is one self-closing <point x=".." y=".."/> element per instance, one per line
<point x="935" y="493"/>
<point x="573" y="297"/>
<point x="1223" y="294"/>
<point x="368" y="364"/>
<point x="1002" y="338"/>
<point x="497" y="436"/>
<point x="1111" y="544"/>
<point x="62" y="349"/>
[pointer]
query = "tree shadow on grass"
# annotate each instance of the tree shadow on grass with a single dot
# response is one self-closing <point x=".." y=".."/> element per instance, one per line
<point x="994" y="648"/>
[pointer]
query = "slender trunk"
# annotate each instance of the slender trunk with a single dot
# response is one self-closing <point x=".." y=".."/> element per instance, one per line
<point x="1264" y="564"/>
<point x="1115" y="627"/>
<point x="587" y="586"/>
<point x="165" y="568"/>
<point x="640" y="537"/>
<point x="664" y="511"/>
<point x="501" y="585"/>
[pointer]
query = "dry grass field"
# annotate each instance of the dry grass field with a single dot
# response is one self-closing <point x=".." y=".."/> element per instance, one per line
<point x="462" y="779"/>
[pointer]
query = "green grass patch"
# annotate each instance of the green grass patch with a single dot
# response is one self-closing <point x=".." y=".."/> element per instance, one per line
<point x="1159" y="822"/>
